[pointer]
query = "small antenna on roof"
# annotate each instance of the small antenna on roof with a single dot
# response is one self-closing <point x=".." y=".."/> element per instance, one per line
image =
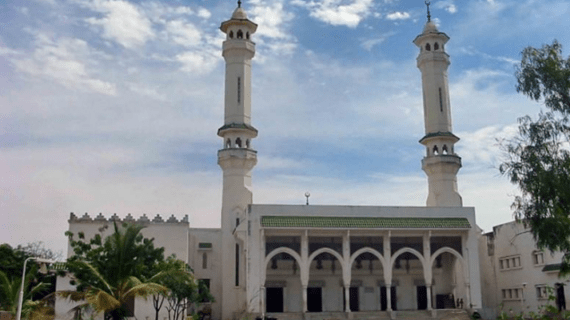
<point x="427" y="2"/>
<point x="239" y="3"/>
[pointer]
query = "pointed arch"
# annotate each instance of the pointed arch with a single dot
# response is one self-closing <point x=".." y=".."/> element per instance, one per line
<point x="326" y="250"/>
<point x="448" y="250"/>
<point x="436" y="46"/>
<point x="239" y="34"/>
<point x="408" y="250"/>
<point x="428" y="47"/>
<point x="279" y="250"/>
<point x="367" y="250"/>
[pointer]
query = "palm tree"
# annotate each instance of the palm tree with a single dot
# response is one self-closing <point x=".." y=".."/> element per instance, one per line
<point x="10" y="289"/>
<point x="108" y="274"/>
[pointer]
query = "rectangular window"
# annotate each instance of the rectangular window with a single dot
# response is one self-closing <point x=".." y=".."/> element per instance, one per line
<point x="237" y="265"/>
<point x="440" y="100"/>
<point x="203" y="286"/>
<point x="204" y="260"/>
<point x="509" y="263"/>
<point x="239" y="90"/>
<point x="538" y="258"/>
<point x="541" y="292"/>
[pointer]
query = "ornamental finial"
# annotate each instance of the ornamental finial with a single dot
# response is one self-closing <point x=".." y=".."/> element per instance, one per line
<point x="427" y="2"/>
<point x="239" y="3"/>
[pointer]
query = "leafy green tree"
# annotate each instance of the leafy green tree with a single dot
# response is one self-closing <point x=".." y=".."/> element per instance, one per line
<point x="538" y="158"/>
<point x="37" y="286"/>
<point x="108" y="273"/>
<point x="10" y="290"/>
<point x="183" y="289"/>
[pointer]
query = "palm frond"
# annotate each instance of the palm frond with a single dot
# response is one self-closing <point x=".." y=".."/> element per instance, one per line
<point x="101" y="301"/>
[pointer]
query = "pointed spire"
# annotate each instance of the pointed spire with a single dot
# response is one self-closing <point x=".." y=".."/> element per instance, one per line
<point x="427" y="2"/>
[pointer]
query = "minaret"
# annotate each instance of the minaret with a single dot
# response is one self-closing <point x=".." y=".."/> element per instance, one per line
<point x="237" y="156"/>
<point x="441" y="164"/>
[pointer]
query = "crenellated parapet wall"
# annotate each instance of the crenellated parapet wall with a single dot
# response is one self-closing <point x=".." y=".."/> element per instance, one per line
<point x="86" y="218"/>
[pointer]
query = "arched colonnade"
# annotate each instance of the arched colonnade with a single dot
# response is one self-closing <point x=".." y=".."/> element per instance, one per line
<point x="346" y="260"/>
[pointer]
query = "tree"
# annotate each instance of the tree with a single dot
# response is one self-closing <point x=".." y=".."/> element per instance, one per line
<point x="10" y="290"/>
<point x="108" y="273"/>
<point x="182" y="287"/>
<point x="37" y="286"/>
<point x="538" y="158"/>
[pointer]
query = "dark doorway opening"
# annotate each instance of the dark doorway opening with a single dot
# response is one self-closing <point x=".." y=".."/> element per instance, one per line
<point x="354" y="299"/>
<point x="274" y="299"/>
<point x="560" y="297"/>
<point x="444" y="301"/>
<point x="384" y="298"/>
<point x="314" y="299"/>
<point x="422" y="297"/>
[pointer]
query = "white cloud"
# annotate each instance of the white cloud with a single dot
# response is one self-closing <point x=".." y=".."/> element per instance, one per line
<point x="64" y="60"/>
<point x="447" y="5"/>
<point x="271" y="19"/>
<point x="123" y="22"/>
<point x="204" y="13"/>
<point x="398" y="15"/>
<point x="199" y="62"/>
<point x="335" y="12"/>
<point x="185" y="34"/>
<point x="368" y="44"/>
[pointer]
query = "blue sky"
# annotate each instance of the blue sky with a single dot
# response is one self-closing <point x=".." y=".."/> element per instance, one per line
<point x="113" y="106"/>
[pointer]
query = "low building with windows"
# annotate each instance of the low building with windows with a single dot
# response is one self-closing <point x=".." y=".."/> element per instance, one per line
<point x="517" y="276"/>
<point x="316" y="262"/>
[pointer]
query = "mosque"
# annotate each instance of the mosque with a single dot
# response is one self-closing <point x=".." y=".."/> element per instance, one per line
<point x="319" y="261"/>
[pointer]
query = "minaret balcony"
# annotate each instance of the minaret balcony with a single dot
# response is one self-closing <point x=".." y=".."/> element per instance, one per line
<point x="450" y="161"/>
<point x="237" y="158"/>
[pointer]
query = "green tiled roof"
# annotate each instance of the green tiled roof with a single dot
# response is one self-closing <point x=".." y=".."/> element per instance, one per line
<point x="552" y="267"/>
<point x="363" y="222"/>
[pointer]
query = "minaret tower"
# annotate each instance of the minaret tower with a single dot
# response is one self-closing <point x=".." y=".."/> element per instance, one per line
<point x="441" y="164"/>
<point x="237" y="156"/>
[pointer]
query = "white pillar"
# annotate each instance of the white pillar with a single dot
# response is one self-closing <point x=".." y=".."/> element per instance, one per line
<point x="262" y="299"/>
<point x="347" y="297"/>
<point x="305" y="309"/>
<point x="388" y="296"/>
<point x="428" y="289"/>
<point x="388" y="269"/>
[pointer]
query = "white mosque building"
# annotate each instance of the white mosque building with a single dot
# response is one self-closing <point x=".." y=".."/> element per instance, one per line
<point x="325" y="262"/>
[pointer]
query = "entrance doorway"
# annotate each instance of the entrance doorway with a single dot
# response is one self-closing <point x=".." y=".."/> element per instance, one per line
<point x="315" y="299"/>
<point x="274" y="299"/>
<point x="354" y="299"/>
<point x="422" y="297"/>
<point x="560" y="297"/>
<point x="384" y="298"/>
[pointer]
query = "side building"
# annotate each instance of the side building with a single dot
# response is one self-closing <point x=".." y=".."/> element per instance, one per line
<point x="516" y="275"/>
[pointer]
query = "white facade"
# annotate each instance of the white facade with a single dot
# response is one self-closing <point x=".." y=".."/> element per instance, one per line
<point x="516" y="274"/>
<point x="295" y="262"/>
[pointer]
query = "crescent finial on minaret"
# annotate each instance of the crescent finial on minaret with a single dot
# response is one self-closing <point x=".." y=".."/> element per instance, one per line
<point x="427" y="2"/>
<point x="239" y="3"/>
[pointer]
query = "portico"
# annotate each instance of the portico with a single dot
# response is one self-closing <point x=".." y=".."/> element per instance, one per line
<point x="358" y="262"/>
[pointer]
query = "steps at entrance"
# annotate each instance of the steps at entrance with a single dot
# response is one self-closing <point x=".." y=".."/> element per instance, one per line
<point x="440" y="314"/>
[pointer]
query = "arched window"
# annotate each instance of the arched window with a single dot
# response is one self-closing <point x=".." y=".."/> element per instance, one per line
<point x="247" y="35"/>
<point x="444" y="149"/>
<point x="436" y="46"/>
<point x="239" y="34"/>
<point x="428" y="47"/>
<point x="247" y="143"/>
<point x="435" y="150"/>
<point x="238" y="143"/>
<point x="204" y="260"/>
<point x="228" y="143"/>
<point x="231" y="34"/>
